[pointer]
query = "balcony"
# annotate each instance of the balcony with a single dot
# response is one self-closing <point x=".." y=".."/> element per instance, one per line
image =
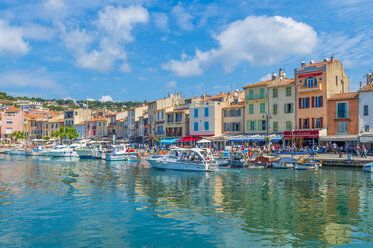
<point x="305" y="89"/>
<point x="256" y="97"/>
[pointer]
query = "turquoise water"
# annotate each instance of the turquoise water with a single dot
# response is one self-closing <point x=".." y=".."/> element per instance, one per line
<point x="93" y="203"/>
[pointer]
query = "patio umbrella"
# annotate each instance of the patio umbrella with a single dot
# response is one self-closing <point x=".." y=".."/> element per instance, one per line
<point x="203" y="141"/>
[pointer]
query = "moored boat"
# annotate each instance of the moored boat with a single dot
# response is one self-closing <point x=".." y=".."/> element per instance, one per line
<point x="284" y="163"/>
<point x="119" y="153"/>
<point x="308" y="165"/>
<point x="368" y="167"/>
<point x="185" y="159"/>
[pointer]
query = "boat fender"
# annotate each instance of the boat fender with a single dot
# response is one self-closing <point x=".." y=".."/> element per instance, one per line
<point x="251" y="155"/>
<point x="139" y="155"/>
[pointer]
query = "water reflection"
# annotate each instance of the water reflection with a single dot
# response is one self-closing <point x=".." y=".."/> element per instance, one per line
<point x="226" y="208"/>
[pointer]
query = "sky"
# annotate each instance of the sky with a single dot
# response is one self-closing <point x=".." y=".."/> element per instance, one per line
<point x="136" y="50"/>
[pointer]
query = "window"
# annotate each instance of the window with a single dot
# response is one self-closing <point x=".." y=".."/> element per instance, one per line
<point x="289" y="126"/>
<point x="342" y="110"/>
<point x="317" y="102"/>
<point x="275" y="93"/>
<point x="252" y="125"/>
<point x="170" y="118"/>
<point x="305" y="102"/>
<point x="226" y="113"/>
<point x="342" y="128"/>
<point x="206" y="112"/>
<point x="251" y="108"/>
<point x="226" y="127"/>
<point x="195" y="113"/>
<point x="275" y="126"/>
<point x="99" y="124"/>
<point x="366" y="128"/>
<point x="251" y="94"/>
<point x="365" y="110"/>
<point x="9" y="121"/>
<point x="262" y="107"/>
<point x="275" y="109"/>
<point x="305" y="123"/>
<point x="206" y="126"/>
<point x="231" y="113"/>
<point x="261" y="92"/>
<point x="336" y="80"/>
<point x="238" y="112"/>
<point x="195" y="126"/>
<point x="288" y="91"/>
<point x="318" y="123"/>
<point x="76" y="113"/>
<point x="179" y="117"/>
<point x="162" y="115"/>
<point x="288" y="108"/>
<point x="9" y="131"/>
<point x="99" y="132"/>
<point x="263" y="125"/>
<point x="103" y="123"/>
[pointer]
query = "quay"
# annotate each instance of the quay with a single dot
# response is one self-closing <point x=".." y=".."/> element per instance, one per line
<point x="333" y="160"/>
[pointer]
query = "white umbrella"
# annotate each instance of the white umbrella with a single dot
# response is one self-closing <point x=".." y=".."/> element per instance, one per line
<point x="203" y="141"/>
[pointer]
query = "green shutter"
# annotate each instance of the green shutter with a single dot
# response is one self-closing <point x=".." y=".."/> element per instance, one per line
<point x="259" y="126"/>
<point x="291" y="108"/>
<point x="247" y="125"/>
<point x="254" y="125"/>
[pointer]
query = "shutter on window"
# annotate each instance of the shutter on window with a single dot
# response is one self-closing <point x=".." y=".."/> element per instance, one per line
<point x="247" y="125"/>
<point x="285" y="108"/>
<point x="321" y="101"/>
<point x="321" y="122"/>
<point x="313" y="123"/>
<point x="254" y="125"/>
<point x="313" y="102"/>
<point x="300" y="124"/>
<point x="300" y="103"/>
<point x="308" y="123"/>
<point x="308" y="102"/>
<point x="292" y="108"/>
<point x="259" y="126"/>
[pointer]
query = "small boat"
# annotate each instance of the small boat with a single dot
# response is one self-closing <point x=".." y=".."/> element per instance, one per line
<point x="262" y="162"/>
<point x="284" y="163"/>
<point x="64" y="151"/>
<point x="308" y="165"/>
<point x="119" y="153"/>
<point x="237" y="159"/>
<point x="368" y="167"/>
<point x="91" y="151"/>
<point x="185" y="159"/>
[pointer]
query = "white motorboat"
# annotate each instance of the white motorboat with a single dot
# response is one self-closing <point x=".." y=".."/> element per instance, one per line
<point x="17" y="151"/>
<point x="368" y="167"/>
<point x="285" y="163"/>
<point x="91" y="151"/>
<point x="64" y="151"/>
<point x="186" y="159"/>
<point x="119" y="153"/>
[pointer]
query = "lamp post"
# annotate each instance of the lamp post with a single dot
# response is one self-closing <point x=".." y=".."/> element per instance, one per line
<point x="268" y="116"/>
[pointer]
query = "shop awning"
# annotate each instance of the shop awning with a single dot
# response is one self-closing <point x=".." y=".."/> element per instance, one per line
<point x="339" y="138"/>
<point x="189" y="138"/>
<point x="366" y="138"/>
<point x="169" y="140"/>
<point x="245" y="138"/>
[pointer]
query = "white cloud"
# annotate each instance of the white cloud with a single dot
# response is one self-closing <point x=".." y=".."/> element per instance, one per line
<point x="90" y="99"/>
<point x="106" y="98"/>
<point x="161" y="21"/>
<point x="12" y="40"/>
<point x="183" y="18"/>
<point x="259" y="40"/>
<point x="54" y="8"/>
<point x="266" y="77"/>
<point x="171" y="84"/>
<point x="113" y="30"/>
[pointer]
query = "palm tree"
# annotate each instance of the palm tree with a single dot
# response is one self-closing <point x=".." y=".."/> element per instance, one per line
<point x="16" y="135"/>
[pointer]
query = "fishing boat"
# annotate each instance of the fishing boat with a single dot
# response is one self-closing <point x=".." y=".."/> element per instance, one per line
<point x="185" y="159"/>
<point x="261" y="162"/>
<point x="284" y="163"/>
<point x="368" y="167"/>
<point x="91" y="151"/>
<point x="308" y="165"/>
<point x="237" y="159"/>
<point x="119" y="153"/>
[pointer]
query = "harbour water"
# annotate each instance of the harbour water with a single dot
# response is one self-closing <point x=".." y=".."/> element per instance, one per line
<point x="92" y="203"/>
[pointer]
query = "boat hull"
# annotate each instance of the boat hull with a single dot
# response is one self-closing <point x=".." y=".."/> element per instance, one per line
<point x="165" y="165"/>
<point x="62" y="154"/>
<point x="368" y="167"/>
<point x="116" y="157"/>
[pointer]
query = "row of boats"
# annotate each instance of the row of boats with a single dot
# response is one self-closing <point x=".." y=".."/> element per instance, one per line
<point x="193" y="159"/>
<point x="83" y="150"/>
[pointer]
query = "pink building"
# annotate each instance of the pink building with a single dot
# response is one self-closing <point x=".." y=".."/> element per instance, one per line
<point x="12" y="120"/>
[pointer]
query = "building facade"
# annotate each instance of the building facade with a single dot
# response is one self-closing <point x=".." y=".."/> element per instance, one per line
<point x="177" y="123"/>
<point x="74" y="116"/>
<point x="233" y="119"/>
<point x="366" y="116"/>
<point x="11" y="121"/>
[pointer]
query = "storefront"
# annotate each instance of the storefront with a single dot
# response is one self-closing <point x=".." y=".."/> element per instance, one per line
<point x="301" y="137"/>
<point x="340" y="140"/>
<point x="367" y="140"/>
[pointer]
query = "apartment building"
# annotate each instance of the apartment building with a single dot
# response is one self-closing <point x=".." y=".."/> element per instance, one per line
<point x="74" y="116"/>
<point x="11" y="121"/>
<point x="366" y="115"/>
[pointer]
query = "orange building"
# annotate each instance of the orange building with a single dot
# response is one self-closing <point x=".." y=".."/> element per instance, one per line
<point x="315" y="83"/>
<point x="343" y="118"/>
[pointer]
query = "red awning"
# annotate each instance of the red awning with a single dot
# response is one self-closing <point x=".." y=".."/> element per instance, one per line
<point x="189" y="138"/>
<point x="301" y="134"/>
<point x="310" y="75"/>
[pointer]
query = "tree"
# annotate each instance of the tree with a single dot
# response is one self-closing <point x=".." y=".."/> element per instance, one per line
<point x="16" y="135"/>
<point x="66" y="133"/>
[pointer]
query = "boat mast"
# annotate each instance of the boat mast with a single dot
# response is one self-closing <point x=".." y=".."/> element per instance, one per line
<point x="86" y="121"/>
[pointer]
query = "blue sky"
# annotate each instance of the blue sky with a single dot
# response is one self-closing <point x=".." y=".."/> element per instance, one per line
<point x="141" y="50"/>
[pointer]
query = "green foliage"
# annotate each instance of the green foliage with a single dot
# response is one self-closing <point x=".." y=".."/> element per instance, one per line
<point x="66" y="133"/>
<point x="16" y="135"/>
<point x="46" y="138"/>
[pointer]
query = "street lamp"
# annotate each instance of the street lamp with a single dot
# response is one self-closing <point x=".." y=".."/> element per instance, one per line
<point x="268" y="116"/>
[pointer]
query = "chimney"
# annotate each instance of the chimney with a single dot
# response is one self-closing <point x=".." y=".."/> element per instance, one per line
<point x="303" y="64"/>
<point x="274" y="76"/>
<point x="369" y="78"/>
<point x="281" y="73"/>
<point x="332" y="58"/>
<point x="360" y="84"/>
